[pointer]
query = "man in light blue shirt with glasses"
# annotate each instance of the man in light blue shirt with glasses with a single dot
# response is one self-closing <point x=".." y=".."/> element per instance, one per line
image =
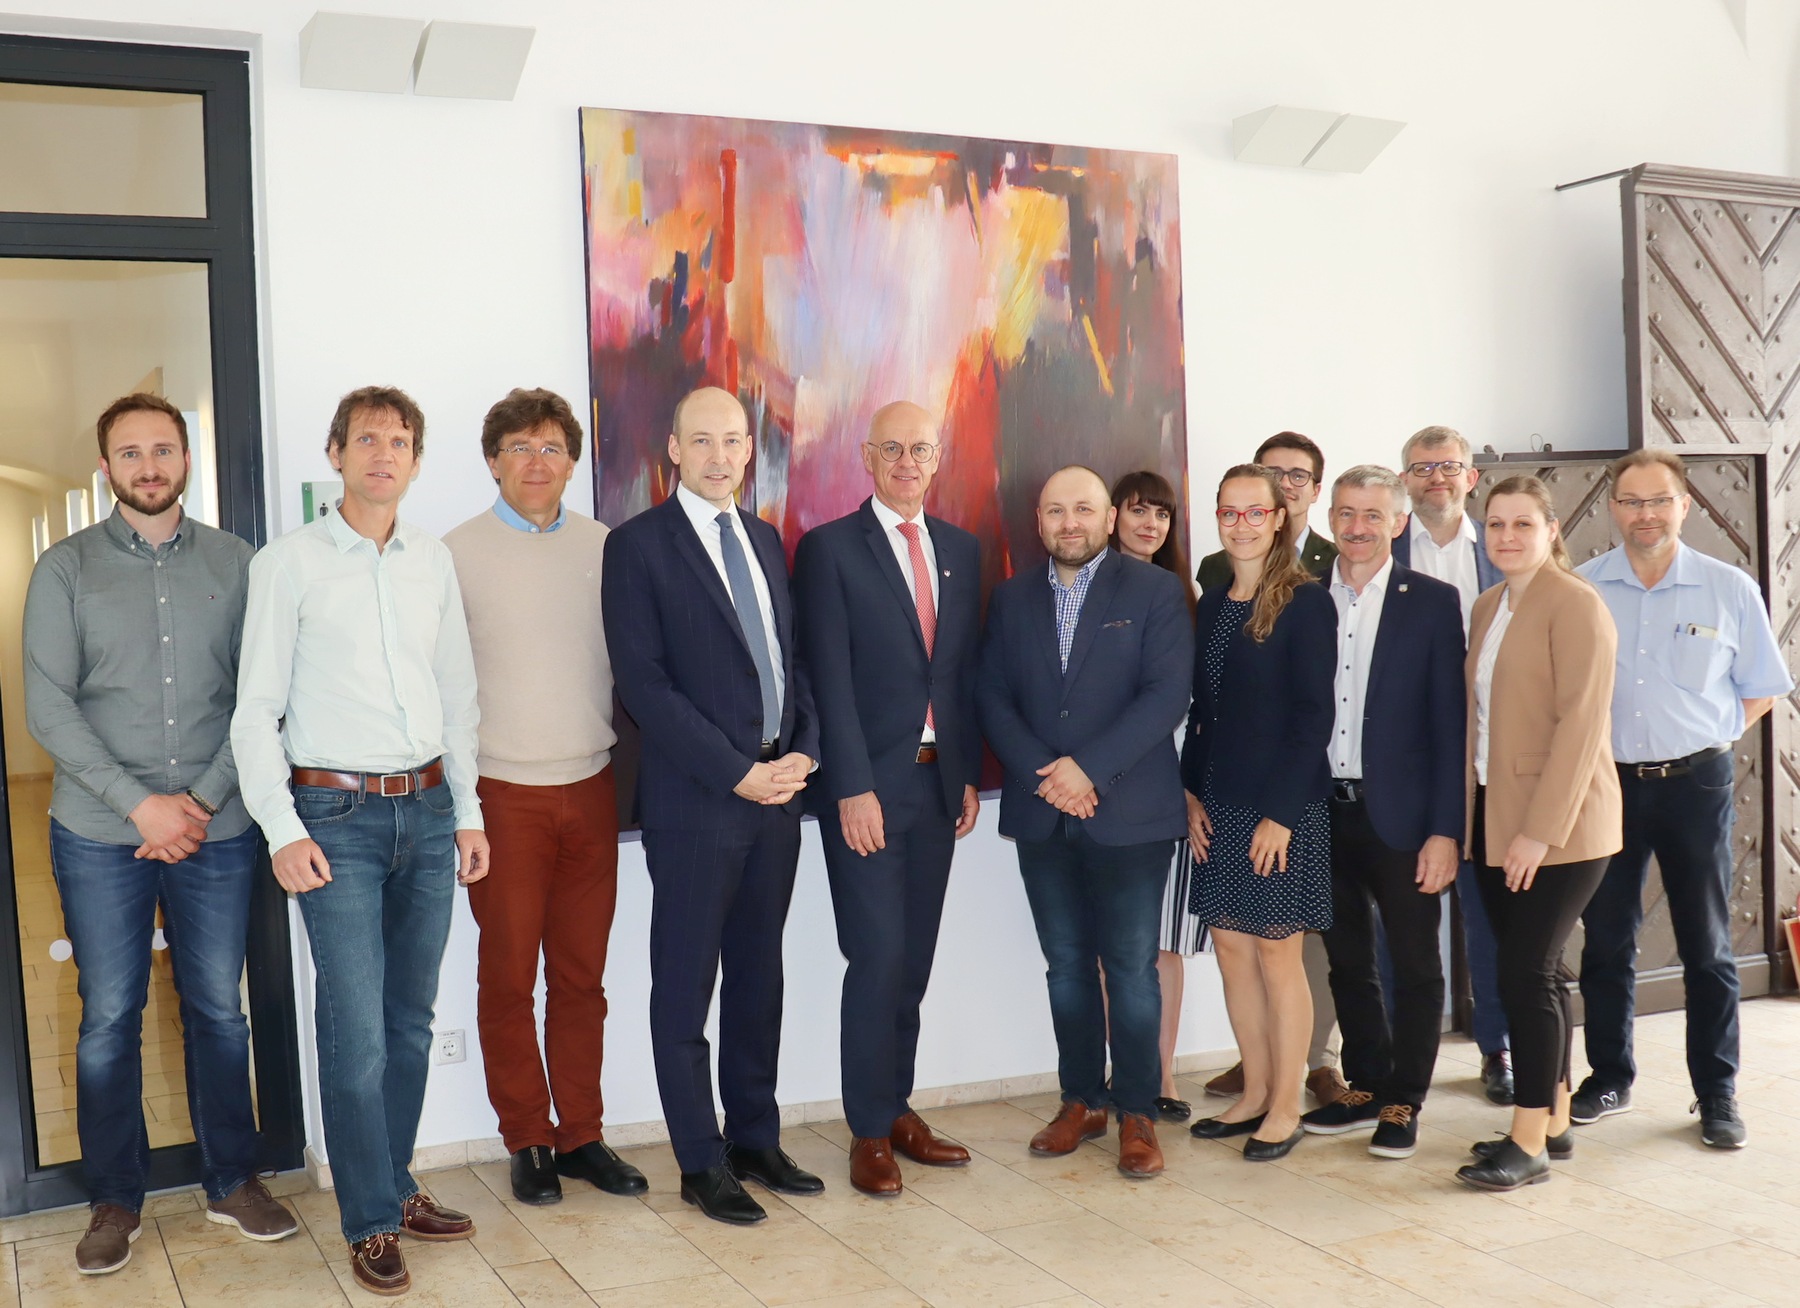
<point x="1697" y="665"/>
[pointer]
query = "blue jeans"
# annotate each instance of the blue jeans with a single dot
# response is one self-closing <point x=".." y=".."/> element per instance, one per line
<point x="109" y="899"/>
<point x="1096" y="903"/>
<point x="1479" y="949"/>
<point x="377" y="931"/>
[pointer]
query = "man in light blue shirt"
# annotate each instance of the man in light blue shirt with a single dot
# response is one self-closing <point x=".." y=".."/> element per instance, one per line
<point x="1697" y="665"/>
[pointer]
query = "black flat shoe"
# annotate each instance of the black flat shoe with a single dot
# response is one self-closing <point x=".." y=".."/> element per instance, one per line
<point x="771" y="1169"/>
<point x="1560" y="1147"/>
<point x="716" y="1193"/>
<point x="1174" y="1110"/>
<point x="595" y="1162"/>
<point x="1267" y="1151"/>
<point x="1507" y="1168"/>
<point x="534" y="1176"/>
<point x="1212" y="1128"/>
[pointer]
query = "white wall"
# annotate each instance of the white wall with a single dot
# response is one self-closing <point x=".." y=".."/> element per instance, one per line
<point x="437" y="244"/>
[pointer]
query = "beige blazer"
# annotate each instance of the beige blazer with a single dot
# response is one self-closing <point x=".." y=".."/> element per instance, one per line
<point x="1550" y="762"/>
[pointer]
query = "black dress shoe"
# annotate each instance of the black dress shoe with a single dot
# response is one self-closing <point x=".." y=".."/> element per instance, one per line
<point x="596" y="1162"/>
<point x="1267" y="1151"/>
<point x="1560" y="1147"/>
<point x="1214" y="1128"/>
<point x="1174" y="1110"/>
<point x="1497" y="1076"/>
<point x="1507" y="1168"/>
<point x="771" y="1169"/>
<point x="716" y="1193"/>
<point x="534" y="1176"/>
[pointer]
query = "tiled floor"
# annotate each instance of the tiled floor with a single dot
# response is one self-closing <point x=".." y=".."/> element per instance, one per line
<point x="1643" y="1215"/>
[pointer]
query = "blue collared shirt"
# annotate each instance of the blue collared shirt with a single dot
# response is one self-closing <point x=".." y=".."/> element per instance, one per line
<point x="1069" y="600"/>
<point x="1691" y="650"/>
<point x="519" y="522"/>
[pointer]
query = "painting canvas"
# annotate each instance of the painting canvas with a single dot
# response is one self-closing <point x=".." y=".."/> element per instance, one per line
<point x="1029" y="294"/>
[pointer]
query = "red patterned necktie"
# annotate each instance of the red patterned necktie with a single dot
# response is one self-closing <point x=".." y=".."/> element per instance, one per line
<point x="922" y="601"/>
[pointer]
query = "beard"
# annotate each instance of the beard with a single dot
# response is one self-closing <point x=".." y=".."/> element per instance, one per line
<point x="1076" y="552"/>
<point x="149" y="500"/>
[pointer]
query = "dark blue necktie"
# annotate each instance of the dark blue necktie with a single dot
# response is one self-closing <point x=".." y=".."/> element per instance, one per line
<point x="743" y="599"/>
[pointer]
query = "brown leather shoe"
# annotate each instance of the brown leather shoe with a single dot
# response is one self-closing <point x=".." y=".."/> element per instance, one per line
<point x="1327" y="1085"/>
<point x="1228" y="1084"/>
<point x="913" y="1139"/>
<point x="1074" y="1123"/>
<point x="378" y="1266"/>
<point x="254" y="1211"/>
<point x="423" y="1218"/>
<point x="873" y="1169"/>
<point x="1140" y="1157"/>
<point x="107" y="1245"/>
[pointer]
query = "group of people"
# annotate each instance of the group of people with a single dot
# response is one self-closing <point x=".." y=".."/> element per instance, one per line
<point x="1313" y="749"/>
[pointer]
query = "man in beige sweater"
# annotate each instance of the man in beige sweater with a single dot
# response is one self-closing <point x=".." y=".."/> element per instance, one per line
<point x="529" y="570"/>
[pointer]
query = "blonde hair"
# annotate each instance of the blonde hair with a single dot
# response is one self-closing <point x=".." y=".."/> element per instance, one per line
<point x="1281" y="573"/>
<point x="1533" y="488"/>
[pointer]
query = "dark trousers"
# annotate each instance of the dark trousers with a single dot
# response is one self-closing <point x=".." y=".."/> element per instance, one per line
<point x="1373" y="889"/>
<point x="1489" y="1017"/>
<point x="1100" y="904"/>
<point x="719" y="902"/>
<point x="553" y="889"/>
<point x="888" y="905"/>
<point x="1531" y="928"/>
<point x="1686" y="822"/>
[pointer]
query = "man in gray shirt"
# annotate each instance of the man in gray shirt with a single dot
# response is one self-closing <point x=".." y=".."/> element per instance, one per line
<point x="131" y="642"/>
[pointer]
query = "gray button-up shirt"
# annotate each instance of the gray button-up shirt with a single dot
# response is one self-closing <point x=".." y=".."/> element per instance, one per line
<point x="131" y="656"/>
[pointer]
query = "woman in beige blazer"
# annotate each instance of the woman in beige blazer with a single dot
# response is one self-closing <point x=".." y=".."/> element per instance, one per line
<point x="1544" y="811"/>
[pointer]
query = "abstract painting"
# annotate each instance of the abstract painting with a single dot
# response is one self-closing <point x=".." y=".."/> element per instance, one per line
<point x="1029" y="294"/>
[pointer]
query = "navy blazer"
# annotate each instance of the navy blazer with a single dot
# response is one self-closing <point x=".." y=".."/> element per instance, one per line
<point x="1275" y="712"/>
<point x="1415" y="714"/>
<point x="684" y="673"/>
<point x="1486" y="574"/>
<point x="1114" y="711"/>
<point x="1317" y="553"/>
<point x="871" y="678"/>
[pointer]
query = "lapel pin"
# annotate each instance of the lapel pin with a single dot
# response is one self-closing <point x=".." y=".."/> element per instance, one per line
<point x="1403" y="588"/>
<point x="946" y="572"/>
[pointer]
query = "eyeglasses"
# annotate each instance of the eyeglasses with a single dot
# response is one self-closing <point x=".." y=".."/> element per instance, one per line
<point x="548" y="453"/>
<point x="1255" y="517"/>
<point x="1292" y="476"/>
<point x="924" y="452"/>
<point x="1656" y="503"/>
<point x="1451" y="467"/>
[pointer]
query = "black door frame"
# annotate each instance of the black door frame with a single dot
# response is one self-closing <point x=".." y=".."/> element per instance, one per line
<point x="224" y="240"/>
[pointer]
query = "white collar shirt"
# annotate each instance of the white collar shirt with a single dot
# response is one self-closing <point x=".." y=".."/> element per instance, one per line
<point x="1454" y="563"/>
<point x="705" y="518"/>
<point x="890" y="528"/>
<point x="1359" y="618"/>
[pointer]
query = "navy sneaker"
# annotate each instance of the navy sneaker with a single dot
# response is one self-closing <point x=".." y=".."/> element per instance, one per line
<point x="1594" y="1101"/>
<point x="1720" y="1125"/>
<point x="1356" y="1111"/>
<point x="1396" y="1133"/>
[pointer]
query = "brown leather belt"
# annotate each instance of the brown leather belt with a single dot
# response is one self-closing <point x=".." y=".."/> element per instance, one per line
<point x="388" y="784"/>
<point x="927" y="754"/>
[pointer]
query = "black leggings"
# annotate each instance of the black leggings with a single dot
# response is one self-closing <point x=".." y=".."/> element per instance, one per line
<point x="1531" y="927"/>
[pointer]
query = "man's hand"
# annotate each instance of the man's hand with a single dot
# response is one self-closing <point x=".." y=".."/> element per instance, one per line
<point x="771" y="783"/>
<point x="1523" y="858"/>
<point x="1269" y="847"/>
<point x="860" y="818"/>
<point x="300" y="866"/>
<point x="173" y="826"/>
<point x="1200" y="827"/>
<point x="1066" y="788"/>
<point x="1437" y="864"/>
<point x="965" y="822"/>
<point x="471" y="855"/>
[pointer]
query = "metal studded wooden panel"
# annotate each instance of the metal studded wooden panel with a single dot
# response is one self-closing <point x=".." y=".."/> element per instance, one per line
<point x="1712" y="270"/>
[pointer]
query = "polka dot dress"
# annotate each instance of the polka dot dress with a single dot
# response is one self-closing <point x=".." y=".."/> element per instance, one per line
<point x="1227" y="894"/>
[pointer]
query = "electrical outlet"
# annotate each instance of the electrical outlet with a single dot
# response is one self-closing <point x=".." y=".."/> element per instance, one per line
<point x="448" y="1047"/>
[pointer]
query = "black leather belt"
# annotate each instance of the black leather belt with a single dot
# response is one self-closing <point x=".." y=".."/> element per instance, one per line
<point x="927" y="753"/>
<point x="766" y="752"/>
<point x="389" y="784"/>
<point x="1674" y="767"/>
<point x="1346" y="790"/>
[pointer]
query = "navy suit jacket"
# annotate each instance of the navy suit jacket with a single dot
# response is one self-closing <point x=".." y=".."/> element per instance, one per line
<point x="871" y="679"/>
<point x="1486" y="574"/>
<point x="1275" y="709"/>
<point x="1114" y="711"/>
<point x="686" y="676"/>
<point x="1415" y="714"/>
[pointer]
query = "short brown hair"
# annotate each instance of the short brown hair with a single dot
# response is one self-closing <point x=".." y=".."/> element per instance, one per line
<point x="1651" y="457"/>
<point x="139" y="402"/>
<point x="392" y="398"/>
<point x="1430" y="438"/>
<point x="1293" y="440"/>
<point x="525" y="411"/>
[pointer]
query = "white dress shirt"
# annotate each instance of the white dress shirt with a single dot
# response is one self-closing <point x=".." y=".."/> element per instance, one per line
<point x="1359" y="618"/>
<point x="1484" y="683"/>
<point x="705" y="517"/>
<point x="890" y="525"/>
<point x="365" y="654"/>
<point x="1454" y="563"/>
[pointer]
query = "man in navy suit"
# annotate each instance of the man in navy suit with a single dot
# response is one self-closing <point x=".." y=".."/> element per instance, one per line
<point x="890" y="616"/>
<point x="1443" y="541"/>
<point x="700" y="626"/>
<point x="1396" y="757"/>
<point x="1084" y="677"/>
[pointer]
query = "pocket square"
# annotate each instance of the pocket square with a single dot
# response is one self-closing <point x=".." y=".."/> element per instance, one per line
<point x="1116" y="622"/>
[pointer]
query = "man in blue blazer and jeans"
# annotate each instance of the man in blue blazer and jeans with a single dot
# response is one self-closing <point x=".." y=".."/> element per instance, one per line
<point x="1084" y="677"/>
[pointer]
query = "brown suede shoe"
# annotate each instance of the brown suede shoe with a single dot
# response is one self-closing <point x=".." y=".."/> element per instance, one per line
<point x="873" y="1169"/>
<point x="107" y="1245"/>
<point x="1228" y="1084"/>
<point x="1140" y="1157"/>
<point x="1327" y="1085"/>
<point x="1074" y="1123"/>
<point x="914" y="1140"/>
<point x="423" y="1218"/>
<point x="254" y="1211"/>
<point x="378" y="1266"/>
